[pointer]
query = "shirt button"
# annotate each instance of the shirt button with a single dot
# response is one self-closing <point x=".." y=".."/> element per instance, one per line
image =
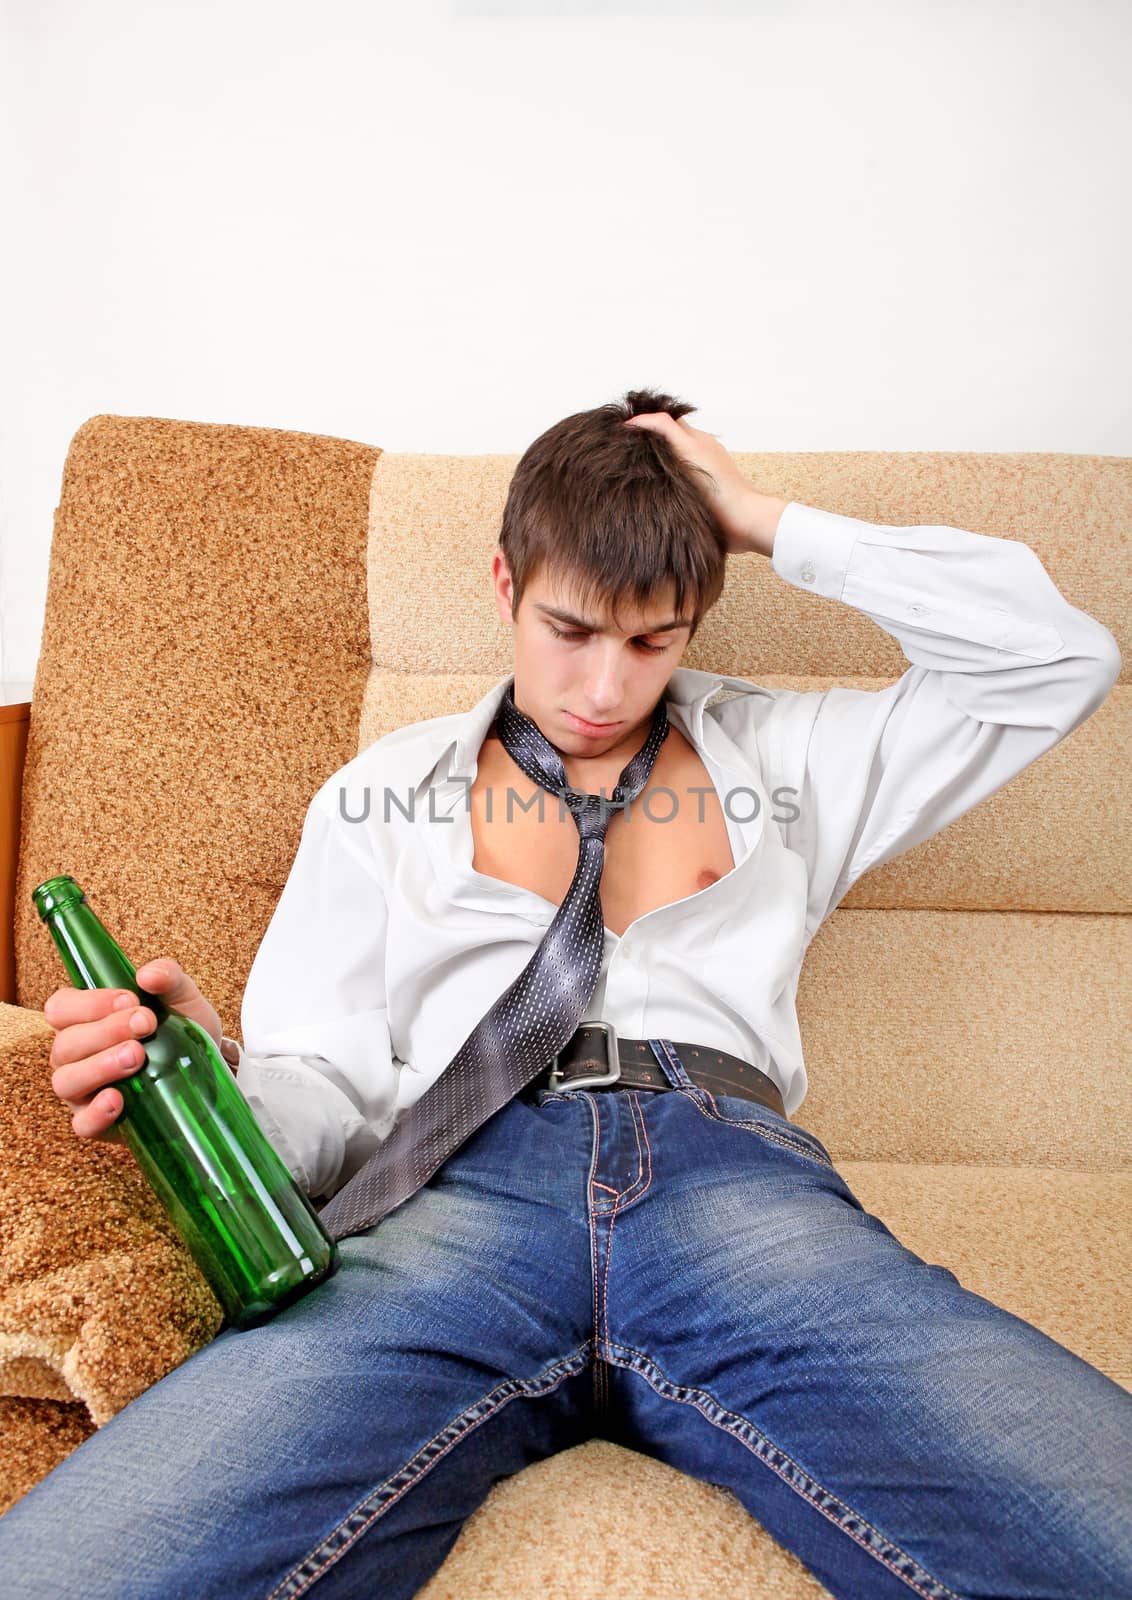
<point x="809" y="572"/>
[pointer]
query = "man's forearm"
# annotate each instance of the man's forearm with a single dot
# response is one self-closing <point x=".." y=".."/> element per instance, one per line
<point x="760" y="522"/>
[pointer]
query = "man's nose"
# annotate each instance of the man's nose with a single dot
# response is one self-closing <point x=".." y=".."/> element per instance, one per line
<point x="604" y="682"/>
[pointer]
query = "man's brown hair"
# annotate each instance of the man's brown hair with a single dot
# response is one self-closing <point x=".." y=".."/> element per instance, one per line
<point x="615" y="511"/>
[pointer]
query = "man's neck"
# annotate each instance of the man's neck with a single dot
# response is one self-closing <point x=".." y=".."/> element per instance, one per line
<point x="592" y="774"/>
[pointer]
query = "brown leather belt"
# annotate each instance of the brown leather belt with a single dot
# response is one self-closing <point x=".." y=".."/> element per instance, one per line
<point x="595" y="1058"/>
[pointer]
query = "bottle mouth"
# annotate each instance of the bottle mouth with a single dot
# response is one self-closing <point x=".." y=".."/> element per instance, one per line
<point x="55" y="893"/>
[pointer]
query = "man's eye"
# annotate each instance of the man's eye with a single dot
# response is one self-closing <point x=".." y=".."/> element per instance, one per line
<point x="653" y="649"/>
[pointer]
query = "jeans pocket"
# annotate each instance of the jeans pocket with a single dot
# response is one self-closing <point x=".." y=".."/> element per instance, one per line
<point x="763" y="1120"/>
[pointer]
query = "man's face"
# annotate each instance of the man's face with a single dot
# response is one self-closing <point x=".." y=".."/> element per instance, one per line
<point x="574" y="669"/>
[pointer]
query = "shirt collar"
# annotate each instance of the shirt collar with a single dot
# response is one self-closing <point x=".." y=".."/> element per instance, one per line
<point x="687" y="688"/>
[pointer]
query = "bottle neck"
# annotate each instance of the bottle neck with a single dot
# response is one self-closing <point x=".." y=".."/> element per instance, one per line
<point x="92" y="958"/>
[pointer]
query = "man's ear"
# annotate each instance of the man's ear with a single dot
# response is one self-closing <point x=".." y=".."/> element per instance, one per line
<point x="504" y="587"/>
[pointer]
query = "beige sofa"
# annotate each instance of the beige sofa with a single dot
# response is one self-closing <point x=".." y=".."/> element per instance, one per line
<point x="233" y="612"/>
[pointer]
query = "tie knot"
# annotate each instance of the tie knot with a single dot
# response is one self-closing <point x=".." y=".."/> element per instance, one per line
<point x="591" y="812"/>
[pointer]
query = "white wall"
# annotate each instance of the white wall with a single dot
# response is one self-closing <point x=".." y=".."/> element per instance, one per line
<point x="443" y="226"/>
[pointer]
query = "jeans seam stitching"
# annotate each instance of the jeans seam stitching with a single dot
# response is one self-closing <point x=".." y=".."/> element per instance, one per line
<point x="502" y="1394"/>
<point x="605" y="1278"/>
<point x="715" y="1115"/>
<point x="643" y="1181"/>
<point x="692" y="1392"/>
<point x="600" y="1395"/>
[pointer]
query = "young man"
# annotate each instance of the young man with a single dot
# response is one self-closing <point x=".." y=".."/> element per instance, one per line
<point x="663" y="1258"/>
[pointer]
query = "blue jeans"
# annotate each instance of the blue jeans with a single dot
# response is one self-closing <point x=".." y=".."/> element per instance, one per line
<point x="688" y="1276"/>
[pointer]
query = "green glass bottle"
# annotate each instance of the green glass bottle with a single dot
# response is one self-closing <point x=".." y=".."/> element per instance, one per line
<point x="250" y="1229"/>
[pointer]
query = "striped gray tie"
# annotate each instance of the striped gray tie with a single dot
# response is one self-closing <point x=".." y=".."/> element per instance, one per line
<point x="532" y="1019"/>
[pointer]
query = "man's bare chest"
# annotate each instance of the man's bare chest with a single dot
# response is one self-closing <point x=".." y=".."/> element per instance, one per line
<point x="671" y="843"/>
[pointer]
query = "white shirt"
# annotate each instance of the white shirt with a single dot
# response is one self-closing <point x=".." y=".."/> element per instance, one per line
<point x="386" y="948"/>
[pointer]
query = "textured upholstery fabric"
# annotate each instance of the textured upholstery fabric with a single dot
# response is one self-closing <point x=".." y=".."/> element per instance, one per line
<point x="234" y="612"/>
<point x="204" y="655"/>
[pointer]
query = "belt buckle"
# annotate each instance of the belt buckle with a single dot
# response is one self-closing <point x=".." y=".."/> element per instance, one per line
<point x="594" y="1080"/>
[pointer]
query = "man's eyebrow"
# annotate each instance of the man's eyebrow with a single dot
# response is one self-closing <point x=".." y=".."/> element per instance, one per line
<point x="592" y="627"/>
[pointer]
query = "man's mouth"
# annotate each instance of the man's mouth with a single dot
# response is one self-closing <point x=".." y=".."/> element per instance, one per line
<point x="583" y="726"/>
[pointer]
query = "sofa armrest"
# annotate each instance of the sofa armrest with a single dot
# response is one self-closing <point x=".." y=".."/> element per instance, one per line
<point x="99" y="1296"/>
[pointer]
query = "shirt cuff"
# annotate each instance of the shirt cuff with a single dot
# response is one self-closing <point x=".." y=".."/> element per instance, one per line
<point x="813" y="548"/>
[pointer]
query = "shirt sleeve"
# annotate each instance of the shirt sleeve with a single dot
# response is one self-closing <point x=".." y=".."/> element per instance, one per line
<point x="1002" y="668"/>
<point x="316" y="1065"/>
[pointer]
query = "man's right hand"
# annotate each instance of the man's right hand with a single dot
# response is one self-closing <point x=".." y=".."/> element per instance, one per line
<point x="96" y="1043"/>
